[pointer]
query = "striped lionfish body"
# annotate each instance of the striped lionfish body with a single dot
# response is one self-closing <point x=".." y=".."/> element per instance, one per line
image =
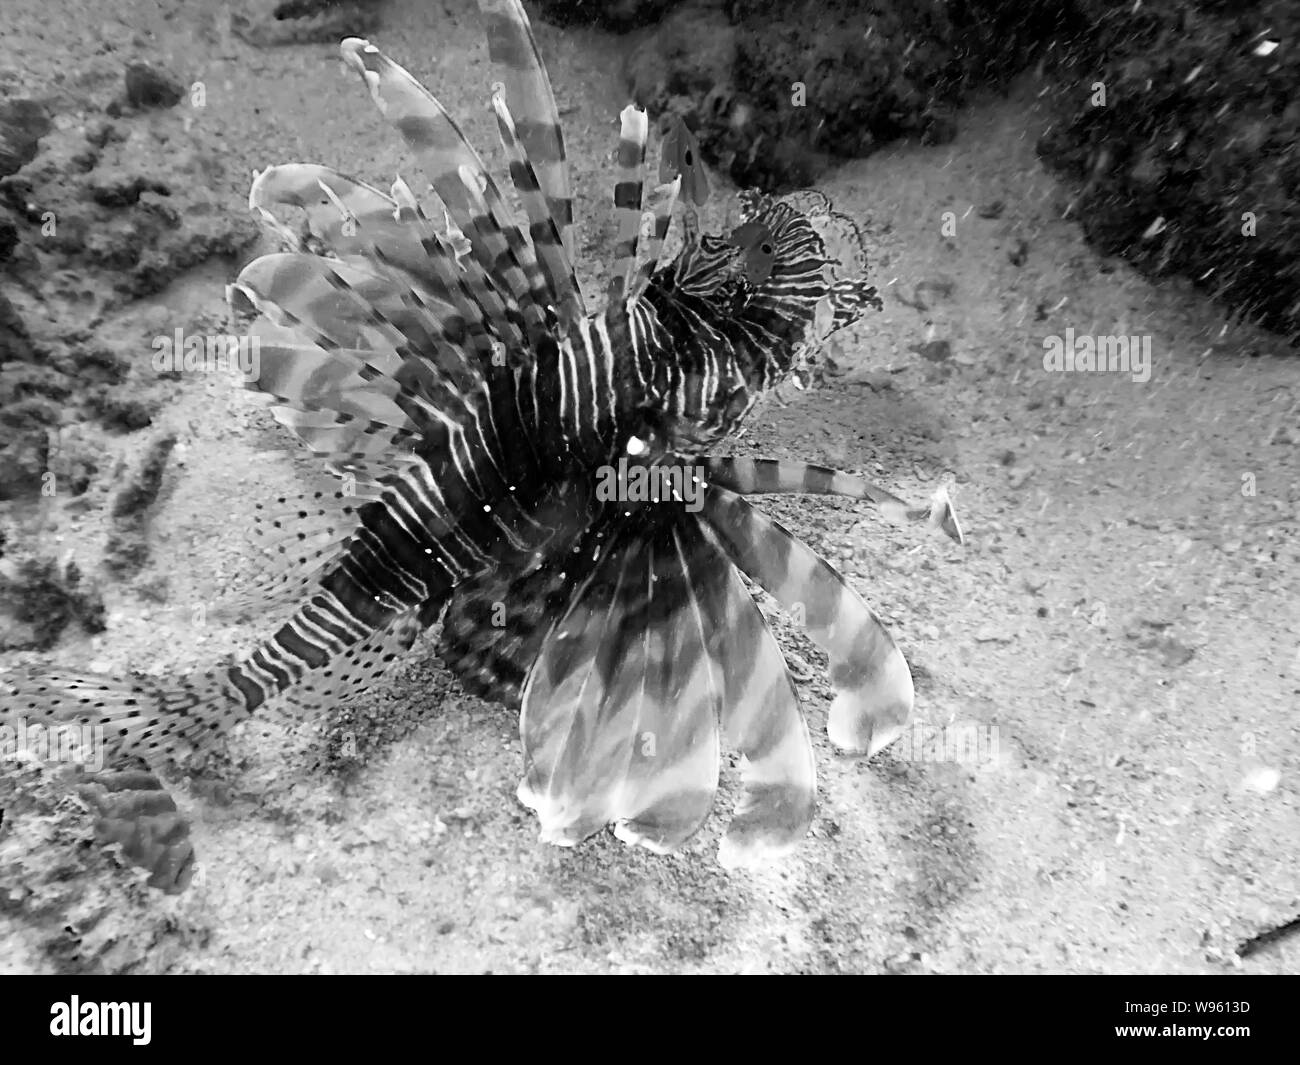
<point x="477" y="411"/>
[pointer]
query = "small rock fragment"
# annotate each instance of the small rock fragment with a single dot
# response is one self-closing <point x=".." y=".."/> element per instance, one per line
<point x="149" y="86"/>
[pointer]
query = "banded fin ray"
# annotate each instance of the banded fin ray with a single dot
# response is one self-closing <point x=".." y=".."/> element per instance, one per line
<point x="620" y="712"/>
<point x="366" y="401"/>
<point x="655" y="224"/>
<point x="347" y="215"/>
<point x="438" y="144"/>
<point x="531" y="103"/>
<point x="873" y="686"/>
<point x="396" y="240"/>
<point x="761" y="718"/>
<point x="629" y="182"/>
<point x="557" y="274"/>
<point x="409" y="345"/>
<point x="349" y="675"/>
<point x="758" y="476"/>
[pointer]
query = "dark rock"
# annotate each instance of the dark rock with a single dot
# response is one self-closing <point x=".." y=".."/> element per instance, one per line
<point x="837" y="78"/>
<point x="84" y="162"/>
<point x="938" y="125"/>
<point x="159" y="206"/>
<point x="24" y="380"/>
<point x="307" y="21"/>
<point x="8" y="238"/>
<point x="22" y="125"/>
<point x="876" y="380"/>
<point x="931" y="290"/>
<point x="73" y="905"/>
<point x="15" y="341"/>
<point x="1160" y="148"/>
<point x="777" y="89"/>
<point x="127" y="549"/>
<point x="32" y="399"/>
<point x="92" y="364"/>
<point x="122" y="408"/>
<point x="149" y="86"/>
<point x="685" y="65"/>
<point x="933" y="350"/>
<point x="611" y="14"/>
<point x="153" y="209"/>
<point x="102" y="133"/>
<point x="119" y="188"/>
<point x="41" y="600"/>
<point x="1171" y="652"/>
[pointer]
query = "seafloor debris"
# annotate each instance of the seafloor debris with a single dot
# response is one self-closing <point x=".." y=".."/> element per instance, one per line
<point x="270" y="22"/>
<point x="67" y="902"/>
<point x="40" y="597"/>
<point x="127" y="550"/>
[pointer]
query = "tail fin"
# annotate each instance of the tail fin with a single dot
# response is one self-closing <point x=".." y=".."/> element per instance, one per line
<point x="323" y="651"/>
<point x="137" y="716"/>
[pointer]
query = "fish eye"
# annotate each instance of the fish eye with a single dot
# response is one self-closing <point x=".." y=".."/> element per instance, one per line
<point x="766" y="248"/>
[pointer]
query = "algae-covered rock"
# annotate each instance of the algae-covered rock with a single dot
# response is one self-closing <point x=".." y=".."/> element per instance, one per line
<point x="40" y="597"/>
<point x="68" y="903"/>
<point x="1180" y="125"/>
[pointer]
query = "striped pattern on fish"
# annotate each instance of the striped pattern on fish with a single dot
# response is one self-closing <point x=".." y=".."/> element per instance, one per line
<point x="454" y="376"/>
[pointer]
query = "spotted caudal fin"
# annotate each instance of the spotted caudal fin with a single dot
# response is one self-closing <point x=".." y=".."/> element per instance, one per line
<point x="317" y="660"/>
<point x="125" y="720"/>
<point x="152" y="719"/>
<point x="873" y="686"/>
<point x="628" y="187"/>
<point x="138" y="716"/>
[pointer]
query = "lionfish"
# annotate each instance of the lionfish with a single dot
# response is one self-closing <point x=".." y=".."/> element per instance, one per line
<point x="455" y="379"/>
